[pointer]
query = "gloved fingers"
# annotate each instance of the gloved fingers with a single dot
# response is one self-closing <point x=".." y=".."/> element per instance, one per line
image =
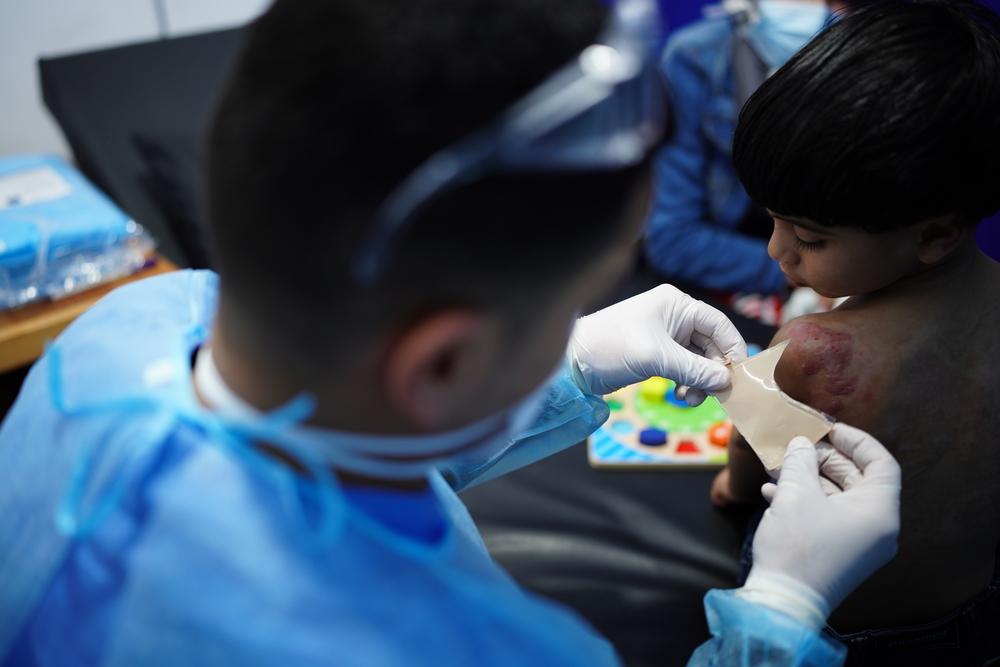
<point x="691" y="369"/>
<point x="800" y="466"/>
<point x="768" y="490"/>
<point x="712" y="354"/>
<point x="875" y="462"/>
<point x="828" y="487"/>
<point x="836" y="467"/>
<point x="705" y="346"/>
<point x="695" y="397"/>
<point x="716" y="327"/>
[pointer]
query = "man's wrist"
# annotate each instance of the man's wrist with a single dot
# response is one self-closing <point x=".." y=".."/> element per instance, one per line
<point x="786" y="595"/>
<point x="576" y="370"/>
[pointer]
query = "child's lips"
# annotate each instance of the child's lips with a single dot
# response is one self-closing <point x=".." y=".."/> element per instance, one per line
<point x="792" y="280"/>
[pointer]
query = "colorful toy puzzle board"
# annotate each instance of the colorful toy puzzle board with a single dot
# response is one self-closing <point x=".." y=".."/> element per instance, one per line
<point x="650" y="427"/>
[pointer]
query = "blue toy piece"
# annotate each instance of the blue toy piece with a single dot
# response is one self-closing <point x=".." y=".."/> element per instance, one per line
<point x="674" y="401"/>
<point x="622" y="427"/>
<point x="653" y="437"/>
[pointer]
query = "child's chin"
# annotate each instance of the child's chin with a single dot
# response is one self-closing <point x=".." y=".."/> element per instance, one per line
<point x="829" y="293"/>
<point x="823" y="290"/>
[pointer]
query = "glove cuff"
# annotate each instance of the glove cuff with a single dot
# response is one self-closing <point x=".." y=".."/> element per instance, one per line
<point x="786" y="595"/>
<point x="576" y="372"/>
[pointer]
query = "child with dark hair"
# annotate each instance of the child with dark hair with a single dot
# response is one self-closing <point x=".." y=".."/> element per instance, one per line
<point x="876" y="150"/>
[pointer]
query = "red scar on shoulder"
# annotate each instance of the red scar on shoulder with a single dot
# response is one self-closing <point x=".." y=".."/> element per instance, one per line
<point x="829" y="352"/>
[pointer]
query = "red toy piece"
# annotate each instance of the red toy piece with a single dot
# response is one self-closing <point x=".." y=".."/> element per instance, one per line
<point x="687" y="447"/>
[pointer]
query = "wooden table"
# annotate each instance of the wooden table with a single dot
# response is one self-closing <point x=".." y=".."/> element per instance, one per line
<point x="24" y="332"/>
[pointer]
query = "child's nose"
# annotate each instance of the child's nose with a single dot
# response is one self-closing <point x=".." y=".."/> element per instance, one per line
<point x="772" y="246"/>
<point x="778" y="247"/>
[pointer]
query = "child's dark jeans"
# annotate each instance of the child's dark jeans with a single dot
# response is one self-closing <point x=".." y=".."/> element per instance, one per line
<point x="970" y="635"/>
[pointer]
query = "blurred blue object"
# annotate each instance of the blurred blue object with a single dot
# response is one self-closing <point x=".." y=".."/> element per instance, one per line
<point x="678" y="13"/>
<point x="745" y="635"/>
<point x="695" y="226"/>
<point x="58" y="233"/>
<point x="988" y="236"/>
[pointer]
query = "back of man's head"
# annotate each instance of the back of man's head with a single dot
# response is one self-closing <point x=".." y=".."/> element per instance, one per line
<point x="331" y="105"/>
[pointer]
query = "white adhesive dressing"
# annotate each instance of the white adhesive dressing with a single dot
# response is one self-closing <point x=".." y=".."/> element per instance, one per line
<point x="765" y="416"/>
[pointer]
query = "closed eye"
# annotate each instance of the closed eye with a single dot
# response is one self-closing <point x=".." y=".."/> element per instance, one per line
<point x="808" y="246"/>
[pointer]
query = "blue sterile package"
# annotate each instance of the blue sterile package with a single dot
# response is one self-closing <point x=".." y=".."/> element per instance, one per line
<point x="58" y="233"/>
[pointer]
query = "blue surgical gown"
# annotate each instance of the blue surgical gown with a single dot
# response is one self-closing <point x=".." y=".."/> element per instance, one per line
<point x="134" y="530"/>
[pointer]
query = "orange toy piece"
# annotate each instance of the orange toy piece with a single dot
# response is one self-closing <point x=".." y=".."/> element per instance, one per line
<point x="718" y="435"/>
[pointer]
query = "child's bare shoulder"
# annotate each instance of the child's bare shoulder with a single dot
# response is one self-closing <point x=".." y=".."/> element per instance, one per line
<point x="831" y="365"/>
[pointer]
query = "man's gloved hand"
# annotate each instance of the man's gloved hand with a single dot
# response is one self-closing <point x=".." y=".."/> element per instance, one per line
<point x="812" y="549"/>
<point x="660" y="332"/>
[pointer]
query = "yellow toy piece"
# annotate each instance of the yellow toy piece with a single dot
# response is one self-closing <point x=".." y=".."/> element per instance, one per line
<point x="654" y="388"/>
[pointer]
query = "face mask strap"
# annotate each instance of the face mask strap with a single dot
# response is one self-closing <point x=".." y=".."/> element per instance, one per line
<point x="384" y="457"/>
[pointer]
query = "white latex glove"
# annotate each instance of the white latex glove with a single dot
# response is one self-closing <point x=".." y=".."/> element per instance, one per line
<point x="832" y="464"/>
<point x="812" y="549"/>
<point x="660" y="332"/>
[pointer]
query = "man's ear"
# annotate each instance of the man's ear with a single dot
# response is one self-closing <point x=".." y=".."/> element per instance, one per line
<point x="938" y="237"/>
<point x="439" y="365"/>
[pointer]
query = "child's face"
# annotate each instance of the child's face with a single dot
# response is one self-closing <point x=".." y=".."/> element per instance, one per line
<point x="840" y="261"/>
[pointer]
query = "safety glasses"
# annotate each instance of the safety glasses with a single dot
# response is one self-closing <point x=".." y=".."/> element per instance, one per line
<point x="604" y="111"/>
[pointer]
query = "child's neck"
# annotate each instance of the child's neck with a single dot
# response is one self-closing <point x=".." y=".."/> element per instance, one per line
<point x="927" y="280"/>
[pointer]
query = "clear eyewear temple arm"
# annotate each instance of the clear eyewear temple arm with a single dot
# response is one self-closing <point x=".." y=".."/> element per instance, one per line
<point x="600" y="81"/>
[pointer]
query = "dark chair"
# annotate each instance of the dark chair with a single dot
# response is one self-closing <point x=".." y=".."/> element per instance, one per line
<point x="133" y="116"/>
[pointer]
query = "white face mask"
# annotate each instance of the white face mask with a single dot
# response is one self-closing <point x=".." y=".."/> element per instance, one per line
<point x="376" y="456"/>
<point x="784" y="27"/>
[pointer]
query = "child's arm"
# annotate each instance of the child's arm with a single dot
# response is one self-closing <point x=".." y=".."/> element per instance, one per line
<point x="741" y="479"/>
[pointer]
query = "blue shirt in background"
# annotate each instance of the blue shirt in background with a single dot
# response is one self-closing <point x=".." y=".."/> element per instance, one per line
<point x="699" y="202"/>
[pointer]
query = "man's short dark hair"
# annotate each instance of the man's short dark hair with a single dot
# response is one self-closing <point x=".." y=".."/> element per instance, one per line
<point x="331" y="104"/>
<point x="889" y="117"/>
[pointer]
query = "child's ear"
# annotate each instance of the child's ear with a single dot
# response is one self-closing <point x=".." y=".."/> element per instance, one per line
<point x="438" y="365"/>
<point x="938" y="237"/>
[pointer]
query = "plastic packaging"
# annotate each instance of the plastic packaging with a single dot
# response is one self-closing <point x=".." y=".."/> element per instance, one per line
<point x="59" y="234"/>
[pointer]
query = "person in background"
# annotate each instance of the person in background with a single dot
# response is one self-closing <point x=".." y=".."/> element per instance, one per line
<point x="704" y="231"/>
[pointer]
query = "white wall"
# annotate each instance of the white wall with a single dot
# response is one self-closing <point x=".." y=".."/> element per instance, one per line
<point x="187" y="16"/>
<point x="33" y="28"/>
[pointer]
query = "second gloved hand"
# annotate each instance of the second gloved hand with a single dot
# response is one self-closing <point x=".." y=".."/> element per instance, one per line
<point x="662" y="332"/>
<point x="812" y="549"/>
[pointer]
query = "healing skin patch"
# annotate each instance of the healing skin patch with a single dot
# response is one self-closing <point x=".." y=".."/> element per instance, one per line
<point x="765" y="416"/>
